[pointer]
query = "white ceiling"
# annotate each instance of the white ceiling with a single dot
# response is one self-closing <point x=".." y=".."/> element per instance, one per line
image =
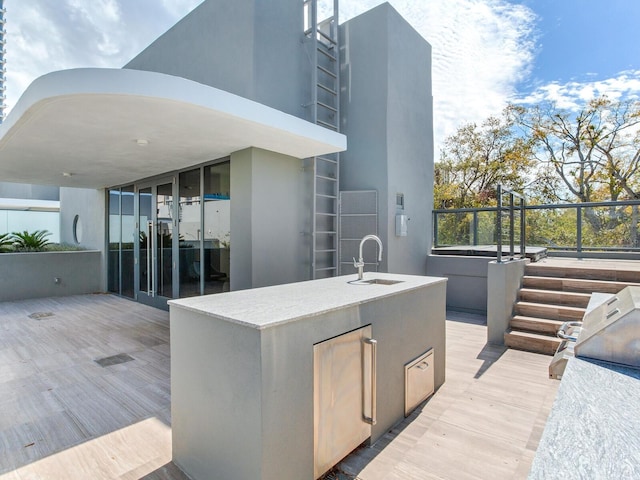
<point x="87" y="123"/>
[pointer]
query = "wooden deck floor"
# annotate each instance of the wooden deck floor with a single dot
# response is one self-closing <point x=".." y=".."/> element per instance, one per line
<point x="611" y="265"/>
<point x="62" y="416"/>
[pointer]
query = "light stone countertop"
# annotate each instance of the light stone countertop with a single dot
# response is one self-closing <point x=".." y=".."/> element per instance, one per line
<point x="270" y="306"/>
<point x="593" y="431"/>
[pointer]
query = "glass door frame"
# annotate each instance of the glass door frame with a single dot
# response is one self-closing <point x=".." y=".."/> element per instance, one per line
<point x="150" y="229"/>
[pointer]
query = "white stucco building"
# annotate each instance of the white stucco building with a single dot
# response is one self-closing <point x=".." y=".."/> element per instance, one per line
<point x="216" y="158"/>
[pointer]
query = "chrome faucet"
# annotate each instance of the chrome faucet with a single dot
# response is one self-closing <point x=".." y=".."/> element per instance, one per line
<point x="360" y="263"/>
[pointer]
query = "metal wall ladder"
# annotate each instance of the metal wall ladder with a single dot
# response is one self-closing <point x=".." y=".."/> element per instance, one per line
<point x="323" y="48"/>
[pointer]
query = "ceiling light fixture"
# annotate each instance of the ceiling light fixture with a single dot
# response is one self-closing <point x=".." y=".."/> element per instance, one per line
<point x="142" y="142"/>
<point x="66" y="174"/>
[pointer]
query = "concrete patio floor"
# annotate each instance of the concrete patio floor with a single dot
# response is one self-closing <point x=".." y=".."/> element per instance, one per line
<point x="63" y="416"/>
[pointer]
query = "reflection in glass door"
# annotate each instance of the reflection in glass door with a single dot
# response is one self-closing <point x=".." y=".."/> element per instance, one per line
<point x="171" y="237"/>
<point x="155" y="244"/>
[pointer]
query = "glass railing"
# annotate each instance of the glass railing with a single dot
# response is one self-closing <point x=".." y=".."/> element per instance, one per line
<point x="579" y="227"/>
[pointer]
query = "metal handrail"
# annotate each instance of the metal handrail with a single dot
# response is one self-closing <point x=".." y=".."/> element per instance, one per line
<point x="511" y="209"/>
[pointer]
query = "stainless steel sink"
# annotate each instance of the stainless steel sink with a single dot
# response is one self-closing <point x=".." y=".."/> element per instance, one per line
<point x="381" y="281"/>
<point x="375" y="281"/>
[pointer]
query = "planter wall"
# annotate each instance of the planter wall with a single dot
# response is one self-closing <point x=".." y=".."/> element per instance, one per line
<point x="50" y="274"/>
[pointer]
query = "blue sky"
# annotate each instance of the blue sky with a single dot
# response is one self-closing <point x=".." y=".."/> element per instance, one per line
<point x="584" y="40"/>
<point x="485" y="52"/>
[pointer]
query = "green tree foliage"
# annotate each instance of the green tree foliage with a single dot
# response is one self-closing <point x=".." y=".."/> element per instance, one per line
<point x="592" y="154"/>
<point x="552" y="155"/>
<point x="479" y="157"/>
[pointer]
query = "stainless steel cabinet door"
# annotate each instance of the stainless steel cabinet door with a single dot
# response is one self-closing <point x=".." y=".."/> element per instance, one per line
<point x="344" y="385"/>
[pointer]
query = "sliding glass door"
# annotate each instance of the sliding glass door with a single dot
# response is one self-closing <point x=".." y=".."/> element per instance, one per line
<point x="170" y="237"/>
<point x="156" y="239"/>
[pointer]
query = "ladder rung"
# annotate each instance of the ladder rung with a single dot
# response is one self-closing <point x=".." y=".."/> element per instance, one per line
<point x="325" y="196"/>
<point x="327" y="54"/>
<point x="326" y="214"/>
<point x="325" y="159"/>
<point x="326" y="232"/>
<point x="328" y="72"/>
<point x="333" y="179"/>
<point x="331" y="250"/>
<point x="358" y="215"/>
<point x="328" y="107"/>
<point x="325" y="268"/>
<point x="327" y="89"/>
<point x="328" y="125"/>
<point x="327" y="37"/>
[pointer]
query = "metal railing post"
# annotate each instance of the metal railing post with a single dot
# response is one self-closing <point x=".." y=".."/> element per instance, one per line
<point x="475" y="228"/>
<point x="499" y="224"/>
<point x="511" y="229"/>
<point x="579" y="230"/>
<point x="435" y="229"/>
<point x="523" y="228"/>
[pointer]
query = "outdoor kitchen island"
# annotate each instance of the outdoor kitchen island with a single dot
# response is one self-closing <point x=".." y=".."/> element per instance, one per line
<point x="244" y="369"/>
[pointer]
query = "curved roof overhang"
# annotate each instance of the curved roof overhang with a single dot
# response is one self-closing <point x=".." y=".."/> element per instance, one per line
<point x="97" y="128"/>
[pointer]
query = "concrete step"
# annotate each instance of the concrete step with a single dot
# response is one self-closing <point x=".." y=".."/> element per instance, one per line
<point x="531" y="342"/>
<point x="552" y="312"/>
<point x="543" y="326"/>
<point x="571" y="299"/>
<point x="617" y="273"/>
<point x="573" y="284"/>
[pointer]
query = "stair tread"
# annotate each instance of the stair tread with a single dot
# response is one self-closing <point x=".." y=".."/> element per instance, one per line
<point x="532" y="335"/>
<point x="554" y="297"/>
<point x="549" y="306"/>
<point x="543" y="326"/>
<point x="558" y="292"/>
<point x="617" y="273"/>
<point x="537" y="319"/>
<point x="581" y="280"/>
<point x="558" y="284"/>
<point x="532" y="342"/>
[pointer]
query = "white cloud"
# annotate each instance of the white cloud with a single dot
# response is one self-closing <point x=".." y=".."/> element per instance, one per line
<point x="481" y="50"/>
<point x="44" y="36"/>
<point x="573" y="95"/>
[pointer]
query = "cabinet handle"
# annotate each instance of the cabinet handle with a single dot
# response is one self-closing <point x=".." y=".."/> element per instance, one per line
<point x="374" y="354"/>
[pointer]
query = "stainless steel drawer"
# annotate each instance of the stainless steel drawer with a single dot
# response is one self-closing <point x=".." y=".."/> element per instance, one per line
<point x="418" y="381"/>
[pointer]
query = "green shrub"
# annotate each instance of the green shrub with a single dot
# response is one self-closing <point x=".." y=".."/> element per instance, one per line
<point x="6" y="242"/>
<point x="30" y="242"/>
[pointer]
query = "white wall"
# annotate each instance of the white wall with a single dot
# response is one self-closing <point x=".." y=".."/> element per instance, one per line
<point x="386" y="109"/>
<point x="267" y="220"/>
<point x="251" y="48"/>
<point x="90" y="207"/>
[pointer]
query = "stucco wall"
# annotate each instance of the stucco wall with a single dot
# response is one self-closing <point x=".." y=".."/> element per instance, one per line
<point x="33" y="275"/>
<point x="89" y="206"/>
<point x="503" y="283"/>
<point x="247" y="47"/>
<point x="267" y="220"/>
<point x="467" y="285"/>
<point x="387" y="115"/>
